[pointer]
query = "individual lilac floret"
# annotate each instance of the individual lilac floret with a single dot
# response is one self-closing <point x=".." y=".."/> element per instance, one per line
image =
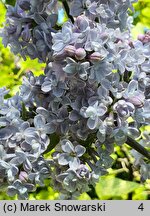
<point x="134" y="95"/>
<point x="73" y="183"/>
<point x="93" y="113"/>
<point x="40" y="171"/>
<point x="71" y="154"/>
<point x="21" y="189"/>
<point x="74" y="67"/>
<point x="124" y="109"/>
<point x="83" y="172"/>
<point x="9" y="170"/>
<point x="64" y="38"/>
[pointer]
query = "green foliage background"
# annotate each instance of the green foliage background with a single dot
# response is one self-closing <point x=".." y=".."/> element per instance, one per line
<point x="122" y="182"/>
<point x="141" y="17"/>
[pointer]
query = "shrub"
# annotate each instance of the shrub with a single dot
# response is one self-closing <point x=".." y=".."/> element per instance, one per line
<point x="94" y="94"/>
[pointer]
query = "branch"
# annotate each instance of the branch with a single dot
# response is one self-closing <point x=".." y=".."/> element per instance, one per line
<point x="135" y="145"/>
<point x="65" y="4"/>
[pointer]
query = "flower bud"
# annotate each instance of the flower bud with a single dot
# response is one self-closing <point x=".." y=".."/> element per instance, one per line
<point x="144" y="38"/>
<point x="96" y="56"/>
<point x="24" y="4"/>
<point x="80" y="53"/>
<point x="82" y="23"/>
<point x="59" y="57"/>
<point x="70" y="50"/>
<point x="141" y="37"/>
<point x="23" y="176"/>
<point x="26" y="34"/>
<point x="11" y="29"/>
<point x="136" y="101"/>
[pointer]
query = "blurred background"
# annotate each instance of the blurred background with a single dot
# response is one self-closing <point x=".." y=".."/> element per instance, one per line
<point x="122" y="182"/>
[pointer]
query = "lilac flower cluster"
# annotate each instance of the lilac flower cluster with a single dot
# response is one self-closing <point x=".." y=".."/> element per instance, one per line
<point x="28" y="28"/>
<point x="94" y="94"/>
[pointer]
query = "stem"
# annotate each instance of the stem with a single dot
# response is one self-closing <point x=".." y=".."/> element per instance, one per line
<point x="94" y="152"/>
<point x="93" y="157"/>
<point x="89" y="163"/>
<point x="65" y="4"/>
<point x="129" y="167"/>
<point x="23" y="112"/>
<point x="132" y="143"/>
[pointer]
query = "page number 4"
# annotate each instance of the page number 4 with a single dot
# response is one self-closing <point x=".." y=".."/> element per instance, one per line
<point x="141" y="207"/>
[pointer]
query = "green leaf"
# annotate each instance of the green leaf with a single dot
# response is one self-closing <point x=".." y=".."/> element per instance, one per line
<point x="47" y="194"/>
<point x="146" y="12"/>
<point x="2" y="13"/>
<point x="54" y="140"/>
<point x="111" y="187"/>
<point x="11" y="2"/>
<point x="140" y="194"/>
